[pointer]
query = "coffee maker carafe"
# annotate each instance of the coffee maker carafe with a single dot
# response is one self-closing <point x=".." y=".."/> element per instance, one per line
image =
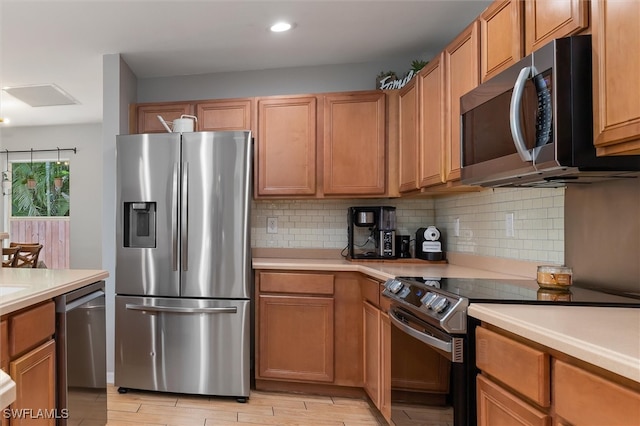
<point x="371" y="232"/>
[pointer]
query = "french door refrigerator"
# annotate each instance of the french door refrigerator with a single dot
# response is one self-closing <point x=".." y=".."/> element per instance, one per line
<point x="183" y="287"/>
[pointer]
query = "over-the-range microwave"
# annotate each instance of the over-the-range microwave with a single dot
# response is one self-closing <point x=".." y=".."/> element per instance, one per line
<point x="532" y="124"/>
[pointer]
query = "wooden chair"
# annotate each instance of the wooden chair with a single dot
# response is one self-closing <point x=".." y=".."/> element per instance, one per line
<point x="27" y="256"/>
<point x="9" y="257"/>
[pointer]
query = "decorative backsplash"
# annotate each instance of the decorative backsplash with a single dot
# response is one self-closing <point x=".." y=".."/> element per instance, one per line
<point x="538" y="222"/>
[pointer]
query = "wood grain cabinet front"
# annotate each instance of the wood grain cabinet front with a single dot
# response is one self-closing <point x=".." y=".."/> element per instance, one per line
<point x="295" y="326"/>
<point x="408" y="137"/>
<point x="501" y="35"/>
<point x="616" y="81"/>
<point x="546" y="20"/>
<point x="224" y="115"/>
<point x="143" y="118"/>
<point x="462" y="70"/>
<point x="286" y="151"/>
<point x="28" y="354"/>
<point x="354" y="144"/>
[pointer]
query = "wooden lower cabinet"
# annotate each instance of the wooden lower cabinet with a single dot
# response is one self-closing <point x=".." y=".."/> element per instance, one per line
<point x="296" y="338"/>
<point x="308" y="330"/>
<point x="371" y="325"/>
<point x="584" y="398"/>
<point x="525" y="383"/>
<point x="497" y="406"/>
<point x="34" y="375"/>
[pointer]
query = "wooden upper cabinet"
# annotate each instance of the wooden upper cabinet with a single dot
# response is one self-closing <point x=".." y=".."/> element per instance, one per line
<point x="226" y="114"/>
<point x="354" y="143"/>
<point x="146" y="116"/>
<point x="286" y="146"/>
<point x="462" y="75"/>
<point x="501" y="30"/>
<point x="431" y="113"/>
<point x="546" y="20"/>
<point x="616" y="76"/>
<point x="408" y="138"/>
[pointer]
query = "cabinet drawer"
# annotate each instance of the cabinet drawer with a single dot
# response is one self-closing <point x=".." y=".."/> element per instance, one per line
<point x="279" y="282"/>
<point x="524" y="369"/>
<point x="371" y="291"/>
<point x="29" y="328"/>
<point x="583" y="398"/>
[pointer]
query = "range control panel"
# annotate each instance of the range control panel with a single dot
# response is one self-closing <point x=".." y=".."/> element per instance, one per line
<point x="430" y="303"/>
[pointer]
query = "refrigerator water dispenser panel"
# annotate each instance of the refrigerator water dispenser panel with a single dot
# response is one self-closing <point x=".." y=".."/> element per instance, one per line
<point x="140" y="225"/>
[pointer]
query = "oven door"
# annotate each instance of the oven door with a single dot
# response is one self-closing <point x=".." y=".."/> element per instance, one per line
<point x="427" y="372"/>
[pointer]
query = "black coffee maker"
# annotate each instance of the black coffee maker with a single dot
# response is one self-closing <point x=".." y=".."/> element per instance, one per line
<point x="372" y="232"/>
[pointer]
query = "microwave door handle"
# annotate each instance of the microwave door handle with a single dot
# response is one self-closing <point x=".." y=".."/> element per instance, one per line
<point x="514" y="115"/>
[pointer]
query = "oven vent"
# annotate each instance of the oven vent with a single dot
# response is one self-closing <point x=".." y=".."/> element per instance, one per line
<point x="457" y="353"/>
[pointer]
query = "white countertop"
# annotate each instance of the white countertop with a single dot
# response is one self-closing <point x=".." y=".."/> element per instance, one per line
<point x="605" y="337"/>
<point x="23" y="287"/>
<point x="7" y="390"/>
<point x="378" y="270"/>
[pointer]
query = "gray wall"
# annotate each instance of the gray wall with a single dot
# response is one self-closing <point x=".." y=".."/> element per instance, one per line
<point x="328" y="78"/>
<point x="602" y="233"/>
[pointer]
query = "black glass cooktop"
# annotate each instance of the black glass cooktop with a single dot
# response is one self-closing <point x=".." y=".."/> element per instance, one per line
<point x="482" y="290"/>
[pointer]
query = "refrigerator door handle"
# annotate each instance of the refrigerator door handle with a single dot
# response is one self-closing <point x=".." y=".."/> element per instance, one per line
<point x="184" y="220"/>
<point x="174" y="217"/>
<point x="179" y="310"/>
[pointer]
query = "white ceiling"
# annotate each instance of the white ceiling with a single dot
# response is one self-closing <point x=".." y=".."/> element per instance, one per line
<point x="62" y="42"/>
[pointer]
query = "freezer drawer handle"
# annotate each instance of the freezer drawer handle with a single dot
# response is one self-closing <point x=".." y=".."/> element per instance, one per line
<point x="173" y="309"/>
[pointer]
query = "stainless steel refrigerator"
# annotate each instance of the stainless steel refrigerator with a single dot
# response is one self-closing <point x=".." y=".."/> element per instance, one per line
<point x="183" y="287"/>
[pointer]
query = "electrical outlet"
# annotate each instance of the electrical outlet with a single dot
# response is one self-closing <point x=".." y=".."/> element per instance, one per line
<point x="272" y="225"/>
<point x="508" y="224"/>
<point x="456" y="227"/>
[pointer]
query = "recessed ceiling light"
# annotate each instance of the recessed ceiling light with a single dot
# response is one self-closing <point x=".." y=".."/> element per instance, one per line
<point x="281" y="26"/>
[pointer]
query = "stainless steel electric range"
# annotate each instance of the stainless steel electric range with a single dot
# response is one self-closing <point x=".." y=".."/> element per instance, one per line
<point x="433" y="338"/>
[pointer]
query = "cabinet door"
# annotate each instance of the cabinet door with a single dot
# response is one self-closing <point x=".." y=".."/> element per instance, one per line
<point x="462" y="68"/>
<point x="583" y="398"/>
<point x="385" y="366"/>
<point x="4" y="346"/>
<point x="408" y="138"/>
<point x="501" y="35"/>
<point x="295" y="338"/>
<point x="34" y="374"/>
<point x="354" y="144"/>
<point x="230" y="114"/>
<point x="546" y="20"/>
<point x="286" y="146"/>
<point x="497" y="406"/>
<point x="616" y="81"/>
<point x="146" y="116"/>
<point x="431" y="122"/>
<point x="371" y="347"/>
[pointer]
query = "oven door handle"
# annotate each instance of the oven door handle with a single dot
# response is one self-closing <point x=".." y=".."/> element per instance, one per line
<point x="424" y="338"/>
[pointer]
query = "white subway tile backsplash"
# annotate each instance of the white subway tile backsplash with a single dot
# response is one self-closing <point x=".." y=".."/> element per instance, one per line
<point x="538" y="222"/>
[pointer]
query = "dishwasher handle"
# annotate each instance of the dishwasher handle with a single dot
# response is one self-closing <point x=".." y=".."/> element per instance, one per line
<point x="180" y="310"/>
<point x="70" y="306"/>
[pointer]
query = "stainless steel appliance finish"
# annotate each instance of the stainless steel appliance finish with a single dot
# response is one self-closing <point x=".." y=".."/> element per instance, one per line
<point x="81" y="355"/>
<point x="531" y="125"/>
<point x="433" y="311"/>
<point x="371" y="232"/>
<point x="196" y="345"/>
<point x="183" y="262"/>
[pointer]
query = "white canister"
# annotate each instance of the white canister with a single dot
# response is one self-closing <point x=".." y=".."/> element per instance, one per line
<point x="186" y="123"/>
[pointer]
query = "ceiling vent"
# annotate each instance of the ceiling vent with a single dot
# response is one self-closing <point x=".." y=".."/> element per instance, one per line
<point x="39" y="95"/>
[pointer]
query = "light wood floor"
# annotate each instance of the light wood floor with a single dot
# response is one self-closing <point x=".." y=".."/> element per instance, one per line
<point x="137" y="408"/>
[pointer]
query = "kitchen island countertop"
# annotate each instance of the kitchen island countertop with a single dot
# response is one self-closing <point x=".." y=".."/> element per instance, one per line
<point x="23" y="287"/>
<point x="608" y="338"/>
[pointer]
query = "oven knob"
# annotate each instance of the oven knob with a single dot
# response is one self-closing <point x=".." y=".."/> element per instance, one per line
<point x="440" y="305"/>
<point x="394" y="286"/>
<point x="428" y="299"/>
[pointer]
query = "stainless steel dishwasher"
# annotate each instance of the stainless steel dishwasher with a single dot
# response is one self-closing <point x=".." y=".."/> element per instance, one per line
<point x="81" y="354"/>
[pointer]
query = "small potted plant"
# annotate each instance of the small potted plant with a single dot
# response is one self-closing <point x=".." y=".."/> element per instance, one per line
<point x="417" y="65"/>
<point x="58" y="177"/>
<point x="31" y="181"/>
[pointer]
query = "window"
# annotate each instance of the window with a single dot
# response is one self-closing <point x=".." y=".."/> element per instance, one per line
<point x="40" y="189"/>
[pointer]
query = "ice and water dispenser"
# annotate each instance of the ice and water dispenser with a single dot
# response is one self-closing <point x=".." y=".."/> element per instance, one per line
<point x="140" y="225"/>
